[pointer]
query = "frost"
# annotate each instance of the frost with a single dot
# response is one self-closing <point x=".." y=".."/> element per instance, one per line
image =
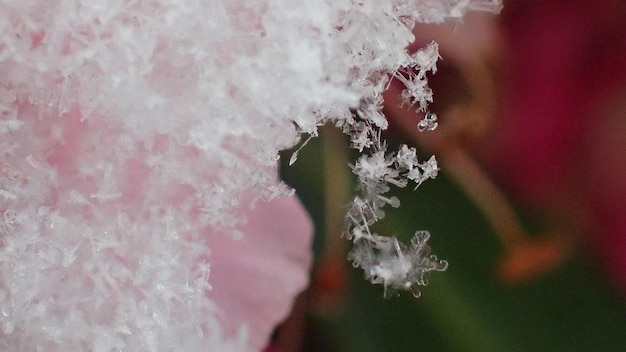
<point x="384" y="259"/>
<point x="395" y="265"/>
<point x="129" y="130"/>
<point x="417" y="90"/>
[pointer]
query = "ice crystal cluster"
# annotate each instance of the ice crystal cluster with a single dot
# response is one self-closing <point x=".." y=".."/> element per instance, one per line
<point x="131" y="128"/>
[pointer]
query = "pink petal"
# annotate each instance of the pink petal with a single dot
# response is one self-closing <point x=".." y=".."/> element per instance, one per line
<point x="256" y="278"/>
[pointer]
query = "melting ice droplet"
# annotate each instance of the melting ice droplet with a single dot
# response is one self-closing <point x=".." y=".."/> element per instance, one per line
<point x="428" y="123"/>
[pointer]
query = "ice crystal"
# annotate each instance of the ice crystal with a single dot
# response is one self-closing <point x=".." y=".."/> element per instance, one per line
<point x="397" y="266"/>
<point x="384" y="259"/>
<point x="128" y="129"/>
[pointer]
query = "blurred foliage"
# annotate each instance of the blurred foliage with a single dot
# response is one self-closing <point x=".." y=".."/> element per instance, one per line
<point x="465" y="308"/>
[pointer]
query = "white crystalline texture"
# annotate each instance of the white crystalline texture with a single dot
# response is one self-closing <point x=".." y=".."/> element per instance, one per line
<point x="130" y="127"/>
<point x="398" y="267"/>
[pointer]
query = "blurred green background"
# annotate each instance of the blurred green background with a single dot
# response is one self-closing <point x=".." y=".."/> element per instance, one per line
<point x="466" y="308"/>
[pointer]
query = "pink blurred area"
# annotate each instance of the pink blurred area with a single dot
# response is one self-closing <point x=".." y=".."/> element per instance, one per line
<point x="558" y="143"/>
<point x="255" y="279"/>
<point x="564" y="69"/>
<point x="542" y="91"/>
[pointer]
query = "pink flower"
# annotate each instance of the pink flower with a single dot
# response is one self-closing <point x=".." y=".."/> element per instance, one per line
<point x="560" y="142"/>
<point x="551" y="75"/>
<point x="118" y="236"/>
<point x="256" y="278"/>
